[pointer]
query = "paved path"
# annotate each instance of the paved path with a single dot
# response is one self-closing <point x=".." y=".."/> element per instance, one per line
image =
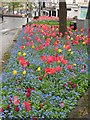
<point x="8" y="30"/>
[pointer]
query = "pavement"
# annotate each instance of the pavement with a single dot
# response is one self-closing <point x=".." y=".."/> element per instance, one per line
<point x="8" y="31"/>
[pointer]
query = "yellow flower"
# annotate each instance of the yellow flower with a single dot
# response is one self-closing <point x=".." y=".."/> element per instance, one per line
<point x="64" y="46"/>
<point x="43" y="36"/>
<point x="19" y="53"/>
<point x="51" y="37"/>
<point x="15" y="72"/>
<point x="58" y="61"/>
<point x="59" y="50"/>
<point x="38" y="69"/>
<point x="83" y="43"/>
<point x="24" y="72"/>
<point x="33" y="46"/>
<point x="86" y="53"/>
<point x="74" y="64"/>
<point x="71" y="38"/>
<point x="69" y="50"/>
<point x="57" y="29"/>
<point x="24" y="54"/>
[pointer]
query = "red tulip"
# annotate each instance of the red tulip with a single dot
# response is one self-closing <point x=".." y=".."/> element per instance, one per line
<point x="16" y="101"/>
<point x="41" y="105"/>
<point x="8" y="107"/>
<point x="28" y="90"/>
<point x="69" y="67"/>
<point x="35" y="118"/>
<point x="65" y="85"/>
<point x="27" y="106"/>
<point x="40" y="78"/>
<point x="17" y="108"/>
<point x="22" y="47"/>
<point x="27" y="94"/>
<point x="43" y="57"/>
<point x="32" y="88"/>
<point x="62" y="104"/>
<point x="64" y="62"/>
<point x="1" y="110"/>
<point x="70" y="83"/>
<point x="37" y="48"/>
<point x="58" y="68"/>
<point x="50" y="59"/>
<point x="74" y="86"/>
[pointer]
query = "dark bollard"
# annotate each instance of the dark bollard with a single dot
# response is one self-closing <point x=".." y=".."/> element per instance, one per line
<point x="23" y="26"/>
<point x="2" y="18"/>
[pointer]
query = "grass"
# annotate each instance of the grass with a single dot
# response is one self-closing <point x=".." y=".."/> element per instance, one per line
<point x="51" y="22"/>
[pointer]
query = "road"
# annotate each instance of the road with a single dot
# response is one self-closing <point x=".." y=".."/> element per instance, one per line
<point x="8" y="29"/>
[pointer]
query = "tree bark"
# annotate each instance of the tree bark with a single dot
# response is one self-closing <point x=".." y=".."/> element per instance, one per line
<point x="62" y="17"/>
<point x="88" y="47"/>
<point x="39" y="8"/>
<point x="13" y="8"/>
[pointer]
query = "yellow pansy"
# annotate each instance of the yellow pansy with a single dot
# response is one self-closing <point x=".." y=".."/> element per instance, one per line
<point x="24" y="72"/>
<point x="24" y="54"/>
<point x="74" y="64"/>
<point x="83" y="43"/>
<point x="43" y="36"/>
<point x="19" y="53"/>
<point x="59" y="50"/>
<point x="33" y="46"/>
<point x="15" y="72"/>
<point x="69" y="50"/>
<point x="38" y="69"/>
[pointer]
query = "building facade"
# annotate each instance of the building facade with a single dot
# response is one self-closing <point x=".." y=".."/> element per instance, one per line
<point x="75" y="8"/>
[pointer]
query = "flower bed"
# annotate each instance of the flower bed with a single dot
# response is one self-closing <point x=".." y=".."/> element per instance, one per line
<point x="46" y="74"/>
<point x="47" y="18"/>
<point x="50" y="20"/>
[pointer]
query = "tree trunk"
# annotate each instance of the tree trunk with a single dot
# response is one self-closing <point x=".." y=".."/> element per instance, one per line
<point x="13" y="8"/>
<point x="39" y="9"/>
<point x="62" y="17"/>
<point x="88" y="47"/>
<point x="9" y="8"/>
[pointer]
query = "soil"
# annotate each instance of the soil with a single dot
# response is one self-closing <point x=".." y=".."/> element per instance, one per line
<point x="82" y="109"/>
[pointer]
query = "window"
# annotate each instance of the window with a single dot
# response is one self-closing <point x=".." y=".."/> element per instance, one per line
<point x="85" y="1"/>
<point x="74" y="1"/>
<point x="68" y="9"/>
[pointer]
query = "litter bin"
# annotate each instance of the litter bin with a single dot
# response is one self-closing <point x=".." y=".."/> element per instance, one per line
<point x="73" y="23"/>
